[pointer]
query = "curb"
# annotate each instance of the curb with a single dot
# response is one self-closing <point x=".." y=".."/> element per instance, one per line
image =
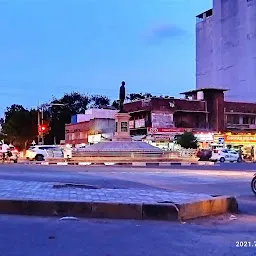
<point x="136" y="164"/>
<point x="114" y="210"/>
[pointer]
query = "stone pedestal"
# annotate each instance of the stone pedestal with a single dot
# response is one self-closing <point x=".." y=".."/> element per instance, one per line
<point x="122" y="132"/>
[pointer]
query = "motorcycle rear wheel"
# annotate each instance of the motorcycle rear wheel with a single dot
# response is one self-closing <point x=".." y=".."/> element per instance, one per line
<point x="253" y="185"/>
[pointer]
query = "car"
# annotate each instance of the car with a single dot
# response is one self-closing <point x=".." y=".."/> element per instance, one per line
<point x="224" y="155"/>
<point x="204" y="154"/>
<point x="40" y="152"/>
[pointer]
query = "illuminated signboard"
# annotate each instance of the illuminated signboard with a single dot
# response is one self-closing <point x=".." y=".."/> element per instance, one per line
<point x="240" y="138"/>
<point x="204" y="137"/>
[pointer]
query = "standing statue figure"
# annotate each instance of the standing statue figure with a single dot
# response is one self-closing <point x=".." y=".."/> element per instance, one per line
<point x="122" y="97"/>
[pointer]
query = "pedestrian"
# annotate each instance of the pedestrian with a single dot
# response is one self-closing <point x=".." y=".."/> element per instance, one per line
<point x="5" y="149"/>
<point x="252" y="153"/>
<point x="240" y="152"/>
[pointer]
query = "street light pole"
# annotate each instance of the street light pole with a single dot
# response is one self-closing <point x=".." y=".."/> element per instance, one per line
<point x="40" y="121"/>
<point x="42" y="124"/>
<point x="38" y="124"/>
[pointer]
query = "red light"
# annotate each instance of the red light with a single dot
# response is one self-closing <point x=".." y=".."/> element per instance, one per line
<point x="41" y="128"/>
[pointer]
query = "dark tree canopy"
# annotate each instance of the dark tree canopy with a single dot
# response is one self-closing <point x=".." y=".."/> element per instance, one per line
<point x="115" y="104"/>
<point x="187" y="140"/>
<point x="12" y="110"/>
<point x="134" y="96"/>
<point x="99" y="101"/>
<point x="59" y="113"/>
<point x="20" y="126"/>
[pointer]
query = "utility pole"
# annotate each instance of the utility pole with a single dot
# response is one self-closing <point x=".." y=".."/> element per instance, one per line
<point x="38" y="124"/>
<point x="42" y="125"/>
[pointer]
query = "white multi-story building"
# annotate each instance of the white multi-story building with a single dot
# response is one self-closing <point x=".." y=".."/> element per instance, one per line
<point x="90" y="127"/>
<point x="226" y="48"/>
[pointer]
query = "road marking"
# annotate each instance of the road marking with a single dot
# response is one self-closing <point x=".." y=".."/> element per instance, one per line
<point x="61" y="163"/>
<point x="84" y="163"/>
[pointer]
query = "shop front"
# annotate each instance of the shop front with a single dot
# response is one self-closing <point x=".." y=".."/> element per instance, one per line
<point x="163" y="138"/>
<point x="205" y="139"/>
<point x="245" y="142"/>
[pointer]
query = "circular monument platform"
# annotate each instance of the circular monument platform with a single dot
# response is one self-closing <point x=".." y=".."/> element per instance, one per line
<point x="123" y="146"/>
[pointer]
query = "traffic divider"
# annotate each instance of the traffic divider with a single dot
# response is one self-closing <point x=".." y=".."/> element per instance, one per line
<point x="134" y="164"/>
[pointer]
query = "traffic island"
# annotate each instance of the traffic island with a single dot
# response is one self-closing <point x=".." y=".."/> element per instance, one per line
<point x="45" y="199"/>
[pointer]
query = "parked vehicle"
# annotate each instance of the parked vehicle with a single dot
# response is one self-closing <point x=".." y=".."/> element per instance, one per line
<point x="204" y="155"/>
<point x="11" y="155"/>
<point x="253" y="184"/>
<point x="226" y="155"/>
<point x="40" y="152"/>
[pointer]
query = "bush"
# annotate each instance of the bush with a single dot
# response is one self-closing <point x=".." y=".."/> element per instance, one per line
<point x="187" y="140"/>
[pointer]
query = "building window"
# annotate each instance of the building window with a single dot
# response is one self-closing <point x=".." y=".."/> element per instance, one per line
<point x="116" y="126"/>
<point x="229" y="119"/>
<point x="236" y="120"/>
<point x="233" y="119"/>
<point x="124" y="127"/>
<point x="252" y="120"/>
<point x="245" y="120"/>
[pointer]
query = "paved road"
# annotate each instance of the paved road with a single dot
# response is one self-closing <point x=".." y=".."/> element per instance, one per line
<point x="49" y="237"/>
<point x="218" y="181"/>
<point x="213" y="236"/>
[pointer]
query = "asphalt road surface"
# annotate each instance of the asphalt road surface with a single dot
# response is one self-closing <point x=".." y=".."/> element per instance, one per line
<point x="30" y="236"/>
<point x="210" y="236"/>
<point x="226" y="179"/>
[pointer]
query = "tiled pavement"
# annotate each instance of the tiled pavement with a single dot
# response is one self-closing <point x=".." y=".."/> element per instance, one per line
<point x="11" y="190"/>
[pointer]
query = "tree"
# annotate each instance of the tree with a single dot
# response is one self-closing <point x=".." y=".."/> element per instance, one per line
<point x="60" y="111"/>
<point x="115" y="104"/>
<point x="75" y="102"/>
<point x="99" y="101"/>
<point x="20" y="126"/>
<point x="134" y="96"/>
<point x="13" y="109"/>
<point x="187" y="140"/>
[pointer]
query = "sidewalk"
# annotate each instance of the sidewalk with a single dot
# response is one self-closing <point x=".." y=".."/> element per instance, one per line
<point x="39" y="198"/>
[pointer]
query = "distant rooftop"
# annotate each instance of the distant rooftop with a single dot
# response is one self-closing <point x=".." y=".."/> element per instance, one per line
<point x="205" y="89"/>
<point x="207" y="13"/>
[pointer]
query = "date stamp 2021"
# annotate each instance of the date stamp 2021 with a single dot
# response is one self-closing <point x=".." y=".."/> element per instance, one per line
<point x="245" y="244"/>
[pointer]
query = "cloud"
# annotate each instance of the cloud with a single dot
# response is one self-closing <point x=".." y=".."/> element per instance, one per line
<point x="163" y="32"/>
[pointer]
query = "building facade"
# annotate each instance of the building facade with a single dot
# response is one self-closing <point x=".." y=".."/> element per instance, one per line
<point x="226" y="48"/>
<point x="160" y="120"/>
<point x="199" y="110"/>
<point x="93" y="126"/>
<point x="203" y="112"/>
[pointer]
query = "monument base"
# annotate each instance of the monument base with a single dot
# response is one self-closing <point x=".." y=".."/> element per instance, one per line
<point x="121" y="145"/>
<point x="122" y="132"/>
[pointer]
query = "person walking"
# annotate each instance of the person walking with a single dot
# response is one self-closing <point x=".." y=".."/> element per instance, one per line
<point x="5" y="149"/>
<point x="252" y="154"/>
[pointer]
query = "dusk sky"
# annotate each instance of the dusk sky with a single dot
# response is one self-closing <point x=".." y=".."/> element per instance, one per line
<point x="49" y="47"/>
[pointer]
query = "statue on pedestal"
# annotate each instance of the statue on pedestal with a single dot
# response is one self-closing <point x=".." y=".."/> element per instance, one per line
<point x="121" y="97"/>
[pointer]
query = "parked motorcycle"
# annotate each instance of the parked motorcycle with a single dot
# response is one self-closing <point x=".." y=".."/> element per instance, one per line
<point x="9" y="157"/>
<point x="253" y="184"/>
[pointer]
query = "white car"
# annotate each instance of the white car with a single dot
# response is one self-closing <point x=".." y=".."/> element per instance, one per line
<point x="224" y="155"/>
<point x="40" y="152"/>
